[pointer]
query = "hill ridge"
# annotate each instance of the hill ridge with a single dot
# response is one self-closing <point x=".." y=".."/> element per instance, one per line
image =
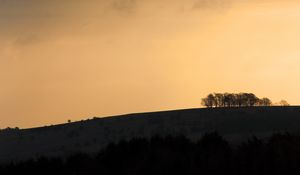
<point x="235" y="124"/>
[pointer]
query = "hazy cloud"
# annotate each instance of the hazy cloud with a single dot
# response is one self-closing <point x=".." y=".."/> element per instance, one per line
<point x="27" y="39"/>
<point x="124" y="5"/>
<point x="210" y="4"/>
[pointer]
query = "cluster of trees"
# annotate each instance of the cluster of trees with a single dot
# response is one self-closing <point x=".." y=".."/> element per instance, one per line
<point x="234" y="100"/>
<point x="175" y="155"/>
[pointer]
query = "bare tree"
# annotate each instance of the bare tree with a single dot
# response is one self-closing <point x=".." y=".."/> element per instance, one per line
<point x="231" y="100"/>
<point x="264" y="102"/>
<point x="209" y="101"/>
<point x="239" y="99"/>
<point x="244" y="99"/>
<point x="219" y="100"/>
<point x="284" y="103"/>
<point x="251" y="99"/>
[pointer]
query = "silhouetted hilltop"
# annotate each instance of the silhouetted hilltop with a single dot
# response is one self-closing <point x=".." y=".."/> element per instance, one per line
<point x="235" y="124"/>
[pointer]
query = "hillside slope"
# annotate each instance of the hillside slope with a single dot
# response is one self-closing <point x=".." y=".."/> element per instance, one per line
<point x="235" y="124"/>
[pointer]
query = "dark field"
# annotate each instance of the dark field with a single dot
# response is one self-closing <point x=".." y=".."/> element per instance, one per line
<point x="211" y="155"/>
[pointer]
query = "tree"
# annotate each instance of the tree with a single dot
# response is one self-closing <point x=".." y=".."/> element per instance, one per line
<point x="229" y="100"/>
<point x="219" y="100"/>
<point x="205" y="102"/>
<point x="251" y="99"/>
<point x="208" y="101"/>
<point x="284" y="103"/>
<point x="264" y="102"/>
<point x="239" y="99"/>
<point x="245" y="99"/>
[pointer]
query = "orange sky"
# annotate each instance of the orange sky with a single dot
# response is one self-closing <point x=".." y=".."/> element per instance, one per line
<point x="75" y="59"/>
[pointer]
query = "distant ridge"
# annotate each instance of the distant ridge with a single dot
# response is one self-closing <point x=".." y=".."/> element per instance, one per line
<point x="235" y="124"/>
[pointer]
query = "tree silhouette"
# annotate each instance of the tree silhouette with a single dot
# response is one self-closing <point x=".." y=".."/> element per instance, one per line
<point x="209" y="101"/>
<point x="284" y="103"/>
<point x="264" y="102"/>
<point x="236" y="100"/>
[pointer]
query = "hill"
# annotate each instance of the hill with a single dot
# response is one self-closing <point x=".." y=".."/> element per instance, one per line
<point x="235" y="124"/>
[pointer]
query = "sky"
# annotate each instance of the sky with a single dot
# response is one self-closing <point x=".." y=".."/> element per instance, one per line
<point x="76" y="59"/>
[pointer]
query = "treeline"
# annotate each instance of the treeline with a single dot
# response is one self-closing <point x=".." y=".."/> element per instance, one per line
<point x="176" y="155"/>
<point x="234" y="100"/>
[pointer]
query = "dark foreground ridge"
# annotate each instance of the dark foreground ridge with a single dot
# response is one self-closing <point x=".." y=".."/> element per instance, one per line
<point x="211" y="155"/>
<point x="235" y="124"/>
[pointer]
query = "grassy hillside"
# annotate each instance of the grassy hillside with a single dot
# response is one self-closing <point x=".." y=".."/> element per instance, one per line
<point x="235" y="124"/>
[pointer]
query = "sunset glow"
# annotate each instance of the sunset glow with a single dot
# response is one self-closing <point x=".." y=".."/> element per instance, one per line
<point x="75" y="59"/>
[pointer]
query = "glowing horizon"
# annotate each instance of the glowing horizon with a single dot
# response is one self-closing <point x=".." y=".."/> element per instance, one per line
<point x="79" y="59"/>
